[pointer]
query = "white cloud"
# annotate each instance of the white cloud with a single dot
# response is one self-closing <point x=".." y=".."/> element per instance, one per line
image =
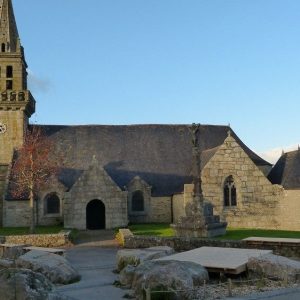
<point x="38" y="84"/>
<point x="273" y="155"/>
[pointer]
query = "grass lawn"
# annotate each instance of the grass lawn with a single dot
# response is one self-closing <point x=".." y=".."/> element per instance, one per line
<point x="152" y="229"/>
<point x="25" y="230"/>
<point x="231" y="234"/>
<point x="241" y="233"/>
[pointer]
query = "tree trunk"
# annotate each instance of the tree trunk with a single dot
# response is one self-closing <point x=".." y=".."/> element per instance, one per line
<point x="32" y="204"/>
<point x="32" y="221"/>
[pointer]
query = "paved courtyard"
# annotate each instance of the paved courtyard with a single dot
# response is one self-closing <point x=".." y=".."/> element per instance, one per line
<point x="94" y="257"/>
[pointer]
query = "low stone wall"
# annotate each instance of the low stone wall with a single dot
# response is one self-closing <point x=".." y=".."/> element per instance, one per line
<point x="39" y="240"/>
<point x="185" y="244"/>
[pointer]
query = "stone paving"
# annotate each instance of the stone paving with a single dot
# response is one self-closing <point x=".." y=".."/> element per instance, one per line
<point x="95" y="259"/>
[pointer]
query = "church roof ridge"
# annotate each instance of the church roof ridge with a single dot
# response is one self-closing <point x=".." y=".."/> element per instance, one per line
<point x="127" y="125"/>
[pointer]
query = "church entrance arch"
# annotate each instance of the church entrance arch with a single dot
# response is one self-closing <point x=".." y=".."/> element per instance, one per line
<point x="95" y="215"/>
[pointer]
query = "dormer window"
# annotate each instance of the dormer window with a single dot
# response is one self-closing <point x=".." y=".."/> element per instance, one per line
<point x="229" y="192"/>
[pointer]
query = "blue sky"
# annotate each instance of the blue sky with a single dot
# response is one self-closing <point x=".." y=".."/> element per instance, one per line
<point x="167" y="61"/>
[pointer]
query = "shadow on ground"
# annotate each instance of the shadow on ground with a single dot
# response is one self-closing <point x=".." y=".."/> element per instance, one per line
<point x="100" y="238"/>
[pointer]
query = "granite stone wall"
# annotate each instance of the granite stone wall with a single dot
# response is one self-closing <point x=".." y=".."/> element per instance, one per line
<point x="178" y="207"/>
<point x="185" y="244"/>
<point x="289" y="210"/>
<point x="161" y="210"/>
<point x="16" y="213"/>
<point x="137" y="184"/>
<point x="16" y="122"/>
<point x="39" y="240"/>
<point x="257" y="199"/>
<point x="95" y="184"/>
<point x="259" y="203"/>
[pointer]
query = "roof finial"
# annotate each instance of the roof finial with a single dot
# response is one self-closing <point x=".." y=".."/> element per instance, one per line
<point x="94" y="160"/>
<point x="229" y="130"/>
<point x="282" y="153"/>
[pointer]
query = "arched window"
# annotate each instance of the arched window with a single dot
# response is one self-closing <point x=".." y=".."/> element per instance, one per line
<point x="3" y="47"/>
<point x="52" y="204"/>
<point x="229" y="192"/>
<point x="137" y="201"/>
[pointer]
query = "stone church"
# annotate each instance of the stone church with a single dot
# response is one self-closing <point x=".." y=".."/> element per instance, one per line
<point x="114" y="175"/>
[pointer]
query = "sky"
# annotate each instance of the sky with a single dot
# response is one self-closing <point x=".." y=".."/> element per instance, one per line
<point x="216" y="62"/>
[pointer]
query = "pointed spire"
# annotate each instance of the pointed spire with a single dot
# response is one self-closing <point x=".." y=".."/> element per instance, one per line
<point x="9" y="36"/>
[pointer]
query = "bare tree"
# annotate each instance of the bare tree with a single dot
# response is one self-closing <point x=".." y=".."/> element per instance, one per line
<point x="33" y="167"/>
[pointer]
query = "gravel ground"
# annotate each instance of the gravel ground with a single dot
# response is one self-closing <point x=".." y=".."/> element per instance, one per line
<point x="212" y="292"/>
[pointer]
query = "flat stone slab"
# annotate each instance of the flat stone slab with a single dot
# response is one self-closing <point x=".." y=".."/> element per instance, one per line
<point x="49" y="250"/>
<point x="217" y="259"/>
<point x="272" y="240"/>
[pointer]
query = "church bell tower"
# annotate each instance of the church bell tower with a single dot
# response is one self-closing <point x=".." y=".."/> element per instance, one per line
<point x="16" y="102"/>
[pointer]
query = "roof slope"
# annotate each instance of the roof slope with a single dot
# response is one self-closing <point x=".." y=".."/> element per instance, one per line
<point x="160" y="154"/>
<point x="286" y="171"/>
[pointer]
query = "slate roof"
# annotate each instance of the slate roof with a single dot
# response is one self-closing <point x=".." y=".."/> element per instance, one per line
<point x="286" y="171"/>
<point x="160" y="154"/>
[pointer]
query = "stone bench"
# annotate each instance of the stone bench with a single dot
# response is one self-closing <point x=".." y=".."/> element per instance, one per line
<point x="49" y="250"/>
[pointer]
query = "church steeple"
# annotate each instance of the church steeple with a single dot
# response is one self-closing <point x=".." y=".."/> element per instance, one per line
<point x="16" y="102"/>
<point x="9" y="39"/>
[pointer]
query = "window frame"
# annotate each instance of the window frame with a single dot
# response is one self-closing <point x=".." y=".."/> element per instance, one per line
<point x="140" y="195"/>
<point x="46" y="211"/>
<point x="229" y="192"/>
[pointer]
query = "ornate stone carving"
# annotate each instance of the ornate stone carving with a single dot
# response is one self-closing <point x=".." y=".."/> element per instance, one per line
<point x="3" y="128"/>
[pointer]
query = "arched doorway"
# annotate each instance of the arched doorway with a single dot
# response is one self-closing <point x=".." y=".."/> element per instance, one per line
<point x="95" y="215"/>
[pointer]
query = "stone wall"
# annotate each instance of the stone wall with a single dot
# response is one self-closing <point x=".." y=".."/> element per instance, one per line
<point x="185" y="244"/>
<point x="161" y="210"/>
<point x="45" y="219"/>
<point x="16" y="122"/>
<point x="289" y="210"/>
<point x="178" y="207"/>
<point x="95" y="184"/>
<point x="257" y="199"/>
<point x="16" y="214"/>
<point x="137" y="184"/>
<point x="39" y="240"/>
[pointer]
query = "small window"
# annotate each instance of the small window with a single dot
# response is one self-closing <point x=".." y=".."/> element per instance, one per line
<point x="137" y="201"/>
<point x="3" y="47"/>
<point x="230" y="198"/>
<point x="9" y="84"/>
<point x="52" y="204"/>
<point x="9" y="71"/>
